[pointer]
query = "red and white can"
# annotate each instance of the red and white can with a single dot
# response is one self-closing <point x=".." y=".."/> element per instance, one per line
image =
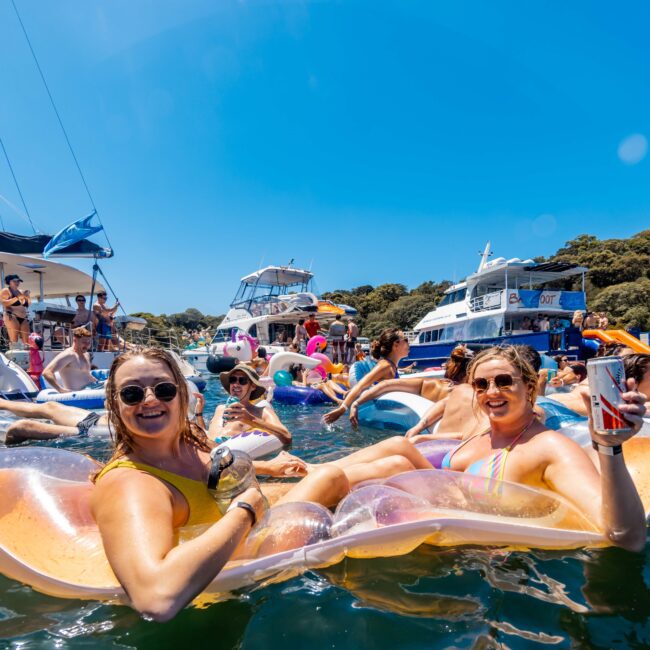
<point x="606" y="377"/>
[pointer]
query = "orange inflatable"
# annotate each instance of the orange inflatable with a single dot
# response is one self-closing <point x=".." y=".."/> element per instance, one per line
<point x="618" y="336"/>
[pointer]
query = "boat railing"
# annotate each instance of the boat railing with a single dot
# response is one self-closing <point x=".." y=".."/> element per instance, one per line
<point x="486" y="302"/>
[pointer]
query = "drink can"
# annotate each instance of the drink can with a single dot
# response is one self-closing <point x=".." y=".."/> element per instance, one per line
<point x="606" y="377"/>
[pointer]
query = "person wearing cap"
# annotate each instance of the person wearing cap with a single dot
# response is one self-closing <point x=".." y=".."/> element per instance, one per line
<point x="243" y="384"/>
<point x="72" y="365"/>
<point x="15" y="304"/>
<point x="105" y="316"/>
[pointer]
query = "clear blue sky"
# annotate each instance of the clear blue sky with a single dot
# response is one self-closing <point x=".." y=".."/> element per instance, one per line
<point x="378" y="141"/>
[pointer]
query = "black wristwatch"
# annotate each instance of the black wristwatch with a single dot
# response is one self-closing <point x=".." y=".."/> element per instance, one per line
<point x="245" y="506"/>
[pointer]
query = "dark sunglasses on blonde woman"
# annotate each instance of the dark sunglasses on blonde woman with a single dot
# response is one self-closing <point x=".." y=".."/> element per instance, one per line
<point x="504" y="381"/>
<point x="165" y="391"/>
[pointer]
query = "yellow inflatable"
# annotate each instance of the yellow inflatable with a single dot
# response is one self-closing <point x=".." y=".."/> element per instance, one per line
<point x="49" y="540"/>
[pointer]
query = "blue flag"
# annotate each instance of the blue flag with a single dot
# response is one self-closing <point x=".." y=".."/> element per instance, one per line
<point x="71" y="234"/>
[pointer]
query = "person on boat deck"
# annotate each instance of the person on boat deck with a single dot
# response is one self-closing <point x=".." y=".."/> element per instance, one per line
<point x="312" y="326"/>
<point x="300" y="339"/>
<point x="15" y="304"/>
<point x="578" y="319"/>
<point x="431" y="388"/>
<point x="105" y="316"/>
<point x="156" y="482"/>
<point x="351" y="342"/>
<point x="336" y="335"/>
<point x="517" y="447"/>
<point x="591" y="321"/>
<point x="391" y="347"/>
<point x="72" y="365"/>
<point x="243" y="383"/>
<point x="84" y="317"/>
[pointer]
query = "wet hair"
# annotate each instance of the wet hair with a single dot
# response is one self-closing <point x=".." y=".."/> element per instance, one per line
<point x="383" y="346"/>
<point x="81" y="332"/>
<point x="531" y="355"/>
<point x="456" y="366"/>
<point x="636" y="366"/>
<point x="261" y="353"/>
<point x="294" y="370"/>
<point x="121" y="436"/>
<point x="613" y="350"/>
<point x="513" y="355"/>
<point x="579" y="370"/>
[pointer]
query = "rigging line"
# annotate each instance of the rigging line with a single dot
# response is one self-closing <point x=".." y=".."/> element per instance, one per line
<point x="58" y="117"/>
<point x="110" y="288"/>
<point x="22" y="198"/>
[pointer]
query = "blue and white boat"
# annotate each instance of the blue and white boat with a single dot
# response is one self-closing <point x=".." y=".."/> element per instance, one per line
<point x="498" y="305"/>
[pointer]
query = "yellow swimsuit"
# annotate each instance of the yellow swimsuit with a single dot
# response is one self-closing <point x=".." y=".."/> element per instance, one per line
<point x="203" y="508"/>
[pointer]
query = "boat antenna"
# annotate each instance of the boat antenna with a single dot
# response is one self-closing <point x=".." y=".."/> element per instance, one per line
<point x="484" y="257"/>
<point x="58" y="117"/>
<point x="22" y="198"/>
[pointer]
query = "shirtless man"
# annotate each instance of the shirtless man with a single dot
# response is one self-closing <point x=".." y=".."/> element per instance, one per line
<point x="73" y="364"/>
<point x="84" y="316"/>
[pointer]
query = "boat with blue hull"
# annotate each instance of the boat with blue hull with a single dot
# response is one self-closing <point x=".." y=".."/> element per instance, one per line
<point x="506" y="301"/>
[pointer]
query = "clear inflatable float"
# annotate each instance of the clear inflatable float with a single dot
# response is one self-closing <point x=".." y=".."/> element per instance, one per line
<point x="49" y="540"/>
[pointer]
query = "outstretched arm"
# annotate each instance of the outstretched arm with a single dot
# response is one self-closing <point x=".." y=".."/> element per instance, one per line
<point x="433" y="414"/>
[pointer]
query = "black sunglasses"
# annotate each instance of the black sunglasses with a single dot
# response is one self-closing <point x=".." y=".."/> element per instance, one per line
<point x="165" y="391"/>
<point x="504" y="381"/>
<point x="242" y="381"/>
<point x="81" y="300"/>
<point x="101" y="295"/>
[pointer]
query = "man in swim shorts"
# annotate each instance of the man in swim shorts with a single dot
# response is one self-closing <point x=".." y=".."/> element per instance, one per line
<point x="105" y="316"/>
<point x="72" y="365"/>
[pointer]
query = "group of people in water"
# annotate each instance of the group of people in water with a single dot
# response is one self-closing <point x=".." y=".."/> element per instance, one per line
<point x="155" y="481"/>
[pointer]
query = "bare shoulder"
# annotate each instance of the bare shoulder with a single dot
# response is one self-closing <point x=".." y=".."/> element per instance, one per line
<point x="124" y="489"/>
<point x="554" y="444"/>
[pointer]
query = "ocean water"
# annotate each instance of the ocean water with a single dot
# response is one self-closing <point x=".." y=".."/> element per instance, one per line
<point x="467" y="597"/>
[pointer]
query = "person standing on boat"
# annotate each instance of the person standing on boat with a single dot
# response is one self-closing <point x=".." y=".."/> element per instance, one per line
<point x="312" y="326"/>
<point x="336" y="334"/>
<point x="300" y="339"/>
<point x="72" y="365"/>
<point x="84" y="317"/>
<point x="105" y="316"/>
<point x="15" y="303"/>
<point x="351" y="342"/>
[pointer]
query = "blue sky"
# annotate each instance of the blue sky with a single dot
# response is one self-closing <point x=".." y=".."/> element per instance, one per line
<point x="375" y="141"/>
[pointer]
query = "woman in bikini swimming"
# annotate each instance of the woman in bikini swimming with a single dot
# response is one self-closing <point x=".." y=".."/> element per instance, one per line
<point x="15" y="303"/>
<point x="431" y="388"/>
<point x="156" y="482"/>
<point x="390" y="349"/>
<point x="517" y="447"/>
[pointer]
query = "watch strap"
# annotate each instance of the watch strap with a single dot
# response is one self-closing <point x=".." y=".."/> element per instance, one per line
<point x="245" y="506"/>
<point x="606" y="450"/>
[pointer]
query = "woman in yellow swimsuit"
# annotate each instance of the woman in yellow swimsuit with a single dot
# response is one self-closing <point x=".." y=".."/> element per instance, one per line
<point x="517" y="447"/>
<point x="156" y="483"/>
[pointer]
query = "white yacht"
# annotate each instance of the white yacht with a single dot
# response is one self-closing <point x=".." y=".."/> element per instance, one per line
<point x="267" y="306"/>
<point x="507" y="301"/>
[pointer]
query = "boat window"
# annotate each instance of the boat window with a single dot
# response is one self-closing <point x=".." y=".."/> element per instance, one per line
<point x="252" y="331"/>
<point x="427" y="338"/>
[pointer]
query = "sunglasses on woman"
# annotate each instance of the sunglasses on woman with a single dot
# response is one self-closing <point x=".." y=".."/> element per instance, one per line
<point x="165" y="391"/>
<point x="504" y="381"/>
<point x="242" y="381"/>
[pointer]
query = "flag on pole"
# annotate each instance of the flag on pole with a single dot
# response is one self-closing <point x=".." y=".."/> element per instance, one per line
<point x="71" y="234"/>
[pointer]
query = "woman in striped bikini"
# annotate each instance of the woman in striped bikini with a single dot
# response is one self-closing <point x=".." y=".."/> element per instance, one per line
<point x="517" y="447"/>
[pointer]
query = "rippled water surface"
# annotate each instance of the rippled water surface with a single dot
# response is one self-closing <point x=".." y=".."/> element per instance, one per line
<point x="431" y="598"/>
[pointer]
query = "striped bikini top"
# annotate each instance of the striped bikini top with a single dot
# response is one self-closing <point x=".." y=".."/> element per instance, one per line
<point x="493" y="467"/>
